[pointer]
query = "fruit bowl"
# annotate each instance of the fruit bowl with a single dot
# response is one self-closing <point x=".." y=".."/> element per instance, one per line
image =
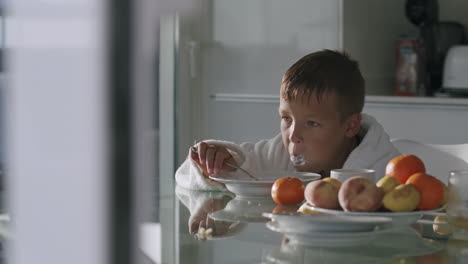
<point x="327" y="239"/>
<point x="398" y="218"/>
<point x="304" y="223"/>
<point x="242" y="185"/>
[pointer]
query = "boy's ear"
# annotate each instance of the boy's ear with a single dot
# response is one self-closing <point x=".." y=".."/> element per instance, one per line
<point x="353" y="125"/>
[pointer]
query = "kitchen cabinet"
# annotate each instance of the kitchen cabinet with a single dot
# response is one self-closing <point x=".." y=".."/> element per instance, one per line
<point x="431" y="120"/>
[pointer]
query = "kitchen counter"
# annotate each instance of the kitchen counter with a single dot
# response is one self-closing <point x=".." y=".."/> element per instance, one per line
<point x="424" y="119"/>
<point x="241" y="235"/>
<point x="417" y="101"/>
<point x="372" y="99"/>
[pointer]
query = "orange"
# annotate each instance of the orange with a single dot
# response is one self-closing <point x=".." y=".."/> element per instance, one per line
<point x="287" y="190"/>
<point x="430" y="189"/>
<point x="403" y="166"/>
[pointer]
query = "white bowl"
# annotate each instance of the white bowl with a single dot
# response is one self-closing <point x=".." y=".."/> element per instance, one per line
<point x="242" y="185"/>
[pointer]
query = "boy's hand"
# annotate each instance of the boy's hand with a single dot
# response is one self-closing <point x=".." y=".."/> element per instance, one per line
<point x="211" y="158"/>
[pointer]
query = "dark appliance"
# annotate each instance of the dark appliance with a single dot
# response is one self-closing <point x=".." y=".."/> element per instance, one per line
<point x="437" y="36"/>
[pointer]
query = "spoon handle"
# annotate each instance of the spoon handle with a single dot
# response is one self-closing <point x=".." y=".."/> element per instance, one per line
<point x="241" y="169"/>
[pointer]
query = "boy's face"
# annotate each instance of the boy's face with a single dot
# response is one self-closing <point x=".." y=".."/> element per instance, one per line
<point x="316" y="131"/>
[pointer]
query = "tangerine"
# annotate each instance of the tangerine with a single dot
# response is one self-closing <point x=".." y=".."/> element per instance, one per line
<point x="403" y="166"/>
<point x="430" y="189"/>
<point x="287" y="190"/>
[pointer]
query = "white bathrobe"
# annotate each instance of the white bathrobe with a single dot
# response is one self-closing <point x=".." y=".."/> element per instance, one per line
<point x="373" y="152"/>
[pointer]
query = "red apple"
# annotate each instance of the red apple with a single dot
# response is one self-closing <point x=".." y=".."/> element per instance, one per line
<point x="322" y="194"/>
<point x="359" y="194"/>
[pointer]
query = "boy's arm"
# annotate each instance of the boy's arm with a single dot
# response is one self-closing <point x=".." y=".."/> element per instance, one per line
<point x="266" y="155"/>
<point x="262" y="155"/>
<point x="190" y="176"/>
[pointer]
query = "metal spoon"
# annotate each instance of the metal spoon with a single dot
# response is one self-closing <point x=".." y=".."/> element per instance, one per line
<point x="195" y="150"/>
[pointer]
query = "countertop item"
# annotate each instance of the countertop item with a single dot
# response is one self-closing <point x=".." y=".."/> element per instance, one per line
<point x="455" y="78"/>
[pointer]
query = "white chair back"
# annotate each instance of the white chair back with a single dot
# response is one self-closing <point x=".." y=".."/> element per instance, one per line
<point x="438" y="159"/>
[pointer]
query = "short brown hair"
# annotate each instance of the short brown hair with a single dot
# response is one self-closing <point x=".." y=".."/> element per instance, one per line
<point x="326" y="71"/>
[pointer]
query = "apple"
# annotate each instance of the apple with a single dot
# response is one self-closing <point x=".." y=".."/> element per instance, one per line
<point x="305" y="209"/>
<point x="322" y="194"/>
<point x="388" y="183"/>
<point x="333" y="181"/>
<point x="404" y="198"/>
<point x="440" y="225"/>
<point x="359" y="194"/>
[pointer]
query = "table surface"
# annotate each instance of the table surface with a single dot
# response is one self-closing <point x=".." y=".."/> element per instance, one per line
<point x="240" y="235"/>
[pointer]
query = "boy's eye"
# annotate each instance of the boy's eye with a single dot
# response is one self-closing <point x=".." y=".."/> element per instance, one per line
<point x="312" y="124"/>
<point x="286" y="119"/>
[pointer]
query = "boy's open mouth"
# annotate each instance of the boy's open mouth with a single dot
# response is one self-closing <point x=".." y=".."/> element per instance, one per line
<point x="298" y="160"/>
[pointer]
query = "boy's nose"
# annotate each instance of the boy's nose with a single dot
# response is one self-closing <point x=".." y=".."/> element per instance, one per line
<point x="295" y="135"/>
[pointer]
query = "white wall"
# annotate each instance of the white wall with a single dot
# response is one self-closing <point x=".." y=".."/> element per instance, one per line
<point x="248" y="47"/>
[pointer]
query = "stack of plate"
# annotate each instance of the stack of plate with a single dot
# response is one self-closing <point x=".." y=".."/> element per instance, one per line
<point x="399" y="219"/>
<point x="328" y="230"/>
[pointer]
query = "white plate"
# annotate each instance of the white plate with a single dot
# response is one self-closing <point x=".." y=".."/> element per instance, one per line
<point x="326" y="239"/>
<point x="302" y="223"/>
<point x="242" y="185"/>
<point x="380" y="248"/>
<point x="398" y="218"/>
<point x="245" y="209"/>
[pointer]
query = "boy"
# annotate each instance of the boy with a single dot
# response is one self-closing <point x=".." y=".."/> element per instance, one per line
<point x="322" y="128"/>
